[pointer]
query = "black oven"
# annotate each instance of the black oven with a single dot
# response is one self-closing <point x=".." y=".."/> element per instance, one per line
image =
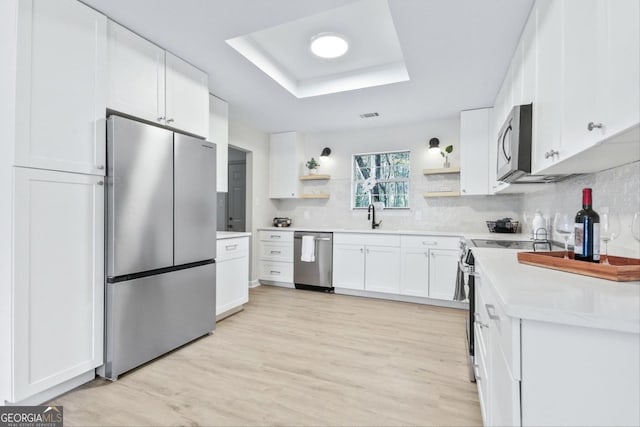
<point x="467" y="265"/>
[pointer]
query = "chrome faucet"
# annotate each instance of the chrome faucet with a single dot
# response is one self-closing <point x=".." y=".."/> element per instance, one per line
<point x="370" y="210"/>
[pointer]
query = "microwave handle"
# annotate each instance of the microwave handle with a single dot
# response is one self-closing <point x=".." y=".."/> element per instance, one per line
<point x="504" y="136"/>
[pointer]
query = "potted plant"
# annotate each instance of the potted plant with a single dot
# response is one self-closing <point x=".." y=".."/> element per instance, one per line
<point x="445" y="153"/>
<point x="313" y="165"/>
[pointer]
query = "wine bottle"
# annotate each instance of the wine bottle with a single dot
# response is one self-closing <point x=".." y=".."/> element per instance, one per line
<point x="587" y="231"/>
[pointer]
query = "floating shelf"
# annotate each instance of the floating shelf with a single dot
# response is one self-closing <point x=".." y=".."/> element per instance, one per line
<point x="315" y="177"/>
<point x="440" y="171"/>
<point x="314" y="196"/>
<point x="442" y="194"/>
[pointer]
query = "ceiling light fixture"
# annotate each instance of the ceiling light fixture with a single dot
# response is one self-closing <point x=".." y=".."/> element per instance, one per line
<point x="329" y="45"/>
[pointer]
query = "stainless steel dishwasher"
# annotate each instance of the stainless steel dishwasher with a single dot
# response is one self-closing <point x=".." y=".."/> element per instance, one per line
<point x="318" y="274"/>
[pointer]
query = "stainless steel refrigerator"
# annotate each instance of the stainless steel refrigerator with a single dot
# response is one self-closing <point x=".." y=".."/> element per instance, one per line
<point x="161" y="243"/>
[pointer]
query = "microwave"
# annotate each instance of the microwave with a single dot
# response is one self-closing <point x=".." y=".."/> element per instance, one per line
<point x="514" y="144"/>
<point x="514" y="149"/>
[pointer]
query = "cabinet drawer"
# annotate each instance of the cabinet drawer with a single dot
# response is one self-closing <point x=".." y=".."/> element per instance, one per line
<point x="276" y="251"/>
<point x="366" y="239"/>
<point x="434" y="242"/>
<point x="276" y="236"/>
<point x="232" y="248"/>
<point x="276" y="271"/>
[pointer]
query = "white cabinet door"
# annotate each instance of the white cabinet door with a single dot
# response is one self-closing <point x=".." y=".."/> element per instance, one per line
<point x="59" y="278"/>
<point x="186" y="97"/>
<point x="443" y="266"/>
<point x="232" y="279"/>
<point x="382" y="269"/>
<point x="474" y="151"/>
<point x="622" y="86"/>
<point x="505" y="391"/>
<point x="348" y="266"/>
<point x="219" y="135"/>
<point x="415" y="272"/>
<point x="583" y="69"/>
<point x="285" y="162"/>
<point x="136" y="75"/>
<point x="547" y="110"/>
<point x="61" y="79"/>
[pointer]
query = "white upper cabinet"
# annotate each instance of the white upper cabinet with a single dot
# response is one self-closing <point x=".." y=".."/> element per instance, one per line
<point x="219" y="135"/>
<point x="474" y="151"/>
<point x="285" y="163"/>
<point x="187" y="96"/>
<point x="149" y="83"/>
<point x="136" y="75"/>
<point x="60" y="114"/>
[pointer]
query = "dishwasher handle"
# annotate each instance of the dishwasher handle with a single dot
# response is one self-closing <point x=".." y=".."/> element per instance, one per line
<point x="326" y="239"/>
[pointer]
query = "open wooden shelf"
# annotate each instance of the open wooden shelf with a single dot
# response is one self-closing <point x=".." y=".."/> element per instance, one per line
<point x="440" y="171"/>
<point x="442" y="193"/>
<point x="314" y="196"/>
<point x="315" y="177"/>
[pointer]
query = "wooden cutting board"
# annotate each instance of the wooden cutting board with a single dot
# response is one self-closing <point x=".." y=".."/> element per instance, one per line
<point x="620" y="269"/>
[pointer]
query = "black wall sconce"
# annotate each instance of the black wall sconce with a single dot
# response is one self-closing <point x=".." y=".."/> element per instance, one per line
<point x="326" y="151"/>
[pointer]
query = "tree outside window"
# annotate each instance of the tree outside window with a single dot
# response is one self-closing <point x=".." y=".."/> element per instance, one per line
<point x="381" y="177"/>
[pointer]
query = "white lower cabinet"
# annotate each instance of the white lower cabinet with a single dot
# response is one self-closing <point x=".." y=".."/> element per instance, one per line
<point x="382" y="269"/>
<point x="348" y="266"/>
<point x="415" y="272"/>
<point x="58" y="288"/>
<point x="232" y="274"/>
<point x="276" y="257"/>
<point x="443" y="265"/>
<point x="540" y="373"/>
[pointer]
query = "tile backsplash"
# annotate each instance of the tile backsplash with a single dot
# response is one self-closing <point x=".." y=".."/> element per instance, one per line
<point x="617" y="188"/>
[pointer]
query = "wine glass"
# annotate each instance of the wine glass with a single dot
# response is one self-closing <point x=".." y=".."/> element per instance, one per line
<point x="635" y="226"/>
<point x="563" y="224"/>
<point x="609" y="230"/>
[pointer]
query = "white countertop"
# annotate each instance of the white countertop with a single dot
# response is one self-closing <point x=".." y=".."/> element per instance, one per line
<point x="495" y="236"/>
<point x="231" y="234"/>
<point x="537" y="293"/>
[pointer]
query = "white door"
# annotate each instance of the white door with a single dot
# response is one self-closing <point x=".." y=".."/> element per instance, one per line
<point x="237" y="197"/>
<point x="348" y="266"/>
<point x="59" y="278"/>
<point x="443" y="266"/>
<point x="415" y="272"/>
<point x="136" y="75"/>
<point x="61" y="79"/>
<point x="187" y="96"/>
<point x="382" y="269"/>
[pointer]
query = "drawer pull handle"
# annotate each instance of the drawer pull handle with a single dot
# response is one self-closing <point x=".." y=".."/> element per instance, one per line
<point x="231" y="247"/>
<point x="275" y="236"/>
<point x="429" y="243"/>
<point x="491" y="311"/>
<point x="275" y="252"/>
<point x="274" y="272"/>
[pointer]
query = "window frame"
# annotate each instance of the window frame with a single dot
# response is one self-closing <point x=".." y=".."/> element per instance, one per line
<point x="353" y="180"/>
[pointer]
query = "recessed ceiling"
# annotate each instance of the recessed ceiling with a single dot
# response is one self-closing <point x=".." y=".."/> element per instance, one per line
<point x="456" y="52"/>
<point x="374" y="57"/>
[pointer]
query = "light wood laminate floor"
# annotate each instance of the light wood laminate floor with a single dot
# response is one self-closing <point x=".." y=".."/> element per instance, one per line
<point x="300" y="358"/>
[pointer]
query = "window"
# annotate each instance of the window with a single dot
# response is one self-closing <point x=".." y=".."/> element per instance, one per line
<point x="381" y="177"/>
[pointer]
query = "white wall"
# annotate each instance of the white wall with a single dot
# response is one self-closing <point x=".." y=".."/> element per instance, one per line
<point x="617" y="188"/>
<point x="467" y="214"/>
<point x="260" y="209"/>
<point x="8" y="40"/>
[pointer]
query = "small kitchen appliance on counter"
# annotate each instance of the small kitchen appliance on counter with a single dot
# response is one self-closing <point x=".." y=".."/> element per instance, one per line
<point x="504" y="225"/>
<point x="281" y="222"/>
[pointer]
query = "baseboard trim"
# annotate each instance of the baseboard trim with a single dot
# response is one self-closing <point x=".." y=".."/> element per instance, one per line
<point x="55" y="391"/>
<point x="403" y="298"/>
<point x="229" y="312"/>
<point x="279" y="284"/>
<point x="254" y="284"/>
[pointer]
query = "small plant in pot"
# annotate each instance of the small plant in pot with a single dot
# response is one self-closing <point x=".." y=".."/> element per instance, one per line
<point x="445" y="153"/>
<point x="313" y="166"/>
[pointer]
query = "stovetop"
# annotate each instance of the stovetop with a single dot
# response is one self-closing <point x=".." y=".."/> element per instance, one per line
<point x="522" y="245"/>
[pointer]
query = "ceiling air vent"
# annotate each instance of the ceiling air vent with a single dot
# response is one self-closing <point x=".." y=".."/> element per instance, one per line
<point x="369" y="115"/>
